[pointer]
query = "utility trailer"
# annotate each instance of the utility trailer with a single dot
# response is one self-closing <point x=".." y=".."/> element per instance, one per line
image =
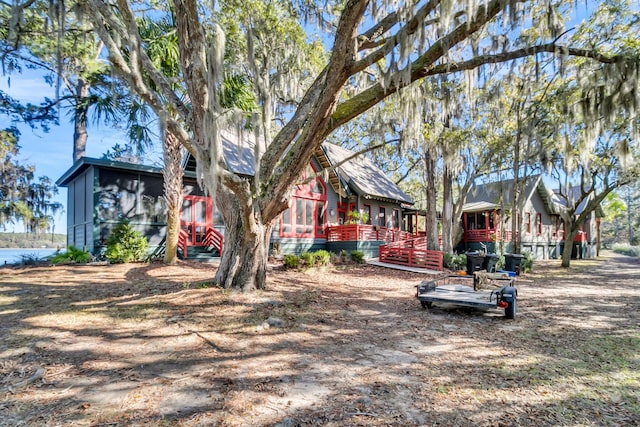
<point x="481" y="290"/>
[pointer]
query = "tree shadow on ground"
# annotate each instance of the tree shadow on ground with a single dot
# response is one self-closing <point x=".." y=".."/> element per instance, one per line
<point x="151" y="344"/>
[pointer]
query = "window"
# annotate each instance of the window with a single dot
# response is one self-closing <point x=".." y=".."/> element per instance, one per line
<point x="527" y="222"/>
<point x="481" y="220"/>
<point x="382" y="217"/>
<point x="395" y="219"/>
<point x="539" y="224"/>
<point x="484" y="220"/>
<point x="307" y="215"/>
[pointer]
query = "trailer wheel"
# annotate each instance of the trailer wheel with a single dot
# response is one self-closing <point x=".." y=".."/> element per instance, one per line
<point x="510" y="311"/>
<point x="426" y="304"/>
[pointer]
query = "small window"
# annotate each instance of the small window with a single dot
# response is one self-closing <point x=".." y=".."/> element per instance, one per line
<point x="527" y="222"/>
<point x="539" y="223"/>
<point x="382" y="217"/>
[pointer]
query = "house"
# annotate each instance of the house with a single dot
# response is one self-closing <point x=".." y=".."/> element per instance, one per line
<point x="487" y="221"/>
<point x="103" y="193"/>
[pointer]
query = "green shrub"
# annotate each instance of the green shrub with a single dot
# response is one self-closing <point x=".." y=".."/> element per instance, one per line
<point x="125" y="244"/>
<point x="291" y="261"/>
<point x="526" y="264"/>
<point x="626" y="250"/>
<point x="447" y="260"/>
<point x="454" y="262"/>
<point x="357" y="256"/>
<point x="72" y="255"/>
<point x="308" y="258"/>
<point x="322" y="257"/>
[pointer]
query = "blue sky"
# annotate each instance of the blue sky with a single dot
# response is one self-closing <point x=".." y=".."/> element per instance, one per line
<point x="51" y="152"/>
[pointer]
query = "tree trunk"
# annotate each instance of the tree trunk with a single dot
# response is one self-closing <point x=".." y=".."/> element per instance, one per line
<point x="568" y="244"/>
<point x="80" y="120"/>
<point x="515" y="201"/>
<point x="243" y="264"/>
<point x="431" y="197"/>
<point x="447" y="210"/>
<point x="172" y="174"/>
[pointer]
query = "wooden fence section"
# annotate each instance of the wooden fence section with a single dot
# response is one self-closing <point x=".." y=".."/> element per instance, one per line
<point x="411" y="253"/>
<point x="364" y="232"/>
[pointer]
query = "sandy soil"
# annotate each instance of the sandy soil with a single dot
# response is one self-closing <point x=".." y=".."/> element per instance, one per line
<point x="148" y="345"/>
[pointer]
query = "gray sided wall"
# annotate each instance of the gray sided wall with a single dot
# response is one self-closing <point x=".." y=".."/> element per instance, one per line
<point x="80" y="204"/>
<point x="541" y="246"/>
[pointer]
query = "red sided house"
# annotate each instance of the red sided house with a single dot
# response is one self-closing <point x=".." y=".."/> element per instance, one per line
<point x="486" y="221"/>
<point x="103" y="193"/>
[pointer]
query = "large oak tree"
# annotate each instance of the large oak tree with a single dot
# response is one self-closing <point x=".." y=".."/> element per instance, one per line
<point x="376" y="49"/>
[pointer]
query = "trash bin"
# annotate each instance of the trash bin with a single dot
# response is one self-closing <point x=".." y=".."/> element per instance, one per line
<point x="474" y="262"/>
<point x="512" y="262"/>
<point x="490" y="261"/>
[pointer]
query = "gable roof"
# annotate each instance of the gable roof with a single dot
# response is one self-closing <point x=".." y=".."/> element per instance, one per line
<point x="574" y="193"/>
<point x="358" y="175"/>
<point x="493" y="195"/>
<point x="363" y="176"/>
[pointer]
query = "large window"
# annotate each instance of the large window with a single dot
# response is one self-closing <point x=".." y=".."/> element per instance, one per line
<point x="307" y="215"/>
<point x="539" y="224"/>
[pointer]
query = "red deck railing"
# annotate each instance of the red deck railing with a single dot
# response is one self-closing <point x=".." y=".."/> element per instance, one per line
<point x="411" y="253"/>
<point x="364" y="232"/>
<point x="183" y="238"/>
<point x="486" y="235"/>
<point x="214" y="238"/>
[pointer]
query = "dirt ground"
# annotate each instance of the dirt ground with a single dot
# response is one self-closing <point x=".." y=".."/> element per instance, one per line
<point x="147" y="345"/>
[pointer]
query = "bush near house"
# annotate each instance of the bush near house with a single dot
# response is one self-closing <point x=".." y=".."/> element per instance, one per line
<point x="291" y="261"/>
<point x="73" y="255"/>
<point x="126" y="245"/>
<point x="357" y="257"/>
<point x="526" y="265"/>
<point x="454" y="262"/>
<point x="319" y="258"/>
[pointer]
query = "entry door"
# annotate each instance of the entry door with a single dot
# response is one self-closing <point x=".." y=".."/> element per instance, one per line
<point x="196" y="216"/>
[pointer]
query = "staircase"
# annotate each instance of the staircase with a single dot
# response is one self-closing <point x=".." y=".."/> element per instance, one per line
<point x="214" y="243"/>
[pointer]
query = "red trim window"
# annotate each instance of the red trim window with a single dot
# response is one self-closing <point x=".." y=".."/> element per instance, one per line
<point x="395" y="219"/>
<point x="382" y="216"/>
<point x="366" y="209"/>
<point x="527" y="222"/>
<point x="539" y="224"/>
<point x="307" y="215"/>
